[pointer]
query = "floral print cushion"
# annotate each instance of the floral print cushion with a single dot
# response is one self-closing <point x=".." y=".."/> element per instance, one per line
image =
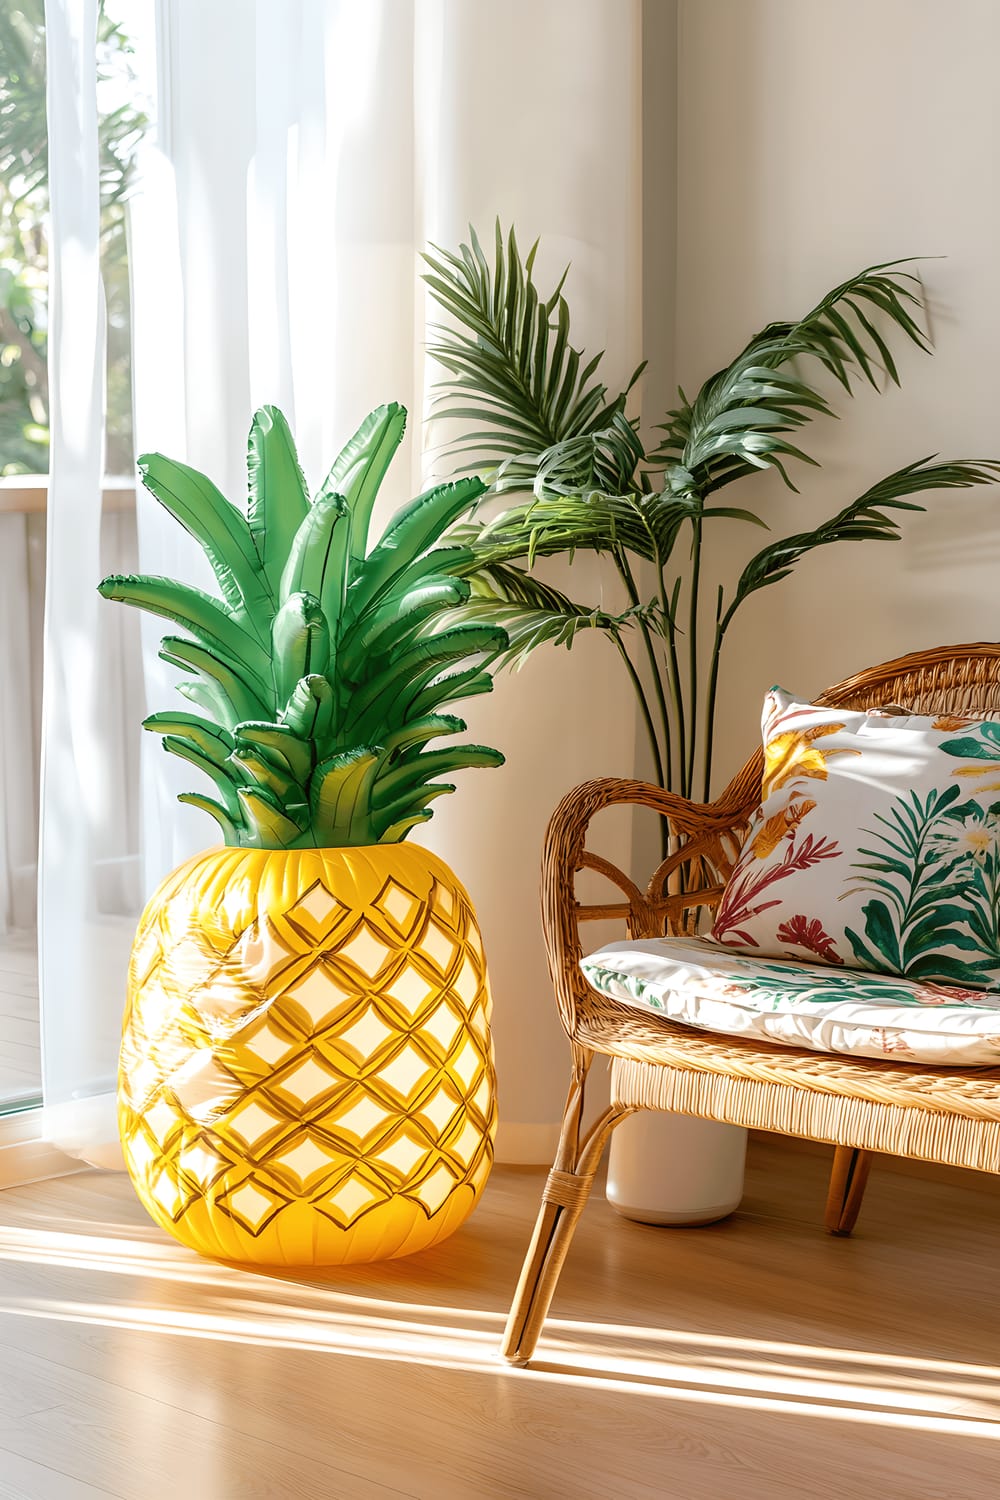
<point x="823" y="1007"/>
<point x="876" y="846"/>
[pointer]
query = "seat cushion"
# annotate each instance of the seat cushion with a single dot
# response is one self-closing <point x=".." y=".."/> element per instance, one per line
<point x="877" y="845"/>
<point x="699" y="983"/>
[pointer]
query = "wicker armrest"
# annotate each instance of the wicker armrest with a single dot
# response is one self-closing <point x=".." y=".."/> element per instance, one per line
<point x="703" y="842"/>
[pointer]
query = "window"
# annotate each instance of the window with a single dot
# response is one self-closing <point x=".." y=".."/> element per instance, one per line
<point x="23" y="253"/>
<point x="24" y="455"/>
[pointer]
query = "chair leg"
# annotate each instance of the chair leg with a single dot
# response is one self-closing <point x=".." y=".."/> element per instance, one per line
<point x="549" y="1244"/>
<point x="848" y="1181"/>
<point x="563" y="1198"/>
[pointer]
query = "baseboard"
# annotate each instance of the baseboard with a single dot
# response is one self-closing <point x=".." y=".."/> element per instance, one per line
<point x="25" y="1156"/>
<point x="526" y="1145"/>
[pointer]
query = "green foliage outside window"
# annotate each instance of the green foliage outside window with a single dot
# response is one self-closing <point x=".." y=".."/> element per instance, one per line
<point x="24" y="396"/>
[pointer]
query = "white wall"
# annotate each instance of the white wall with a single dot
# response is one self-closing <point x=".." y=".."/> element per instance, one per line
<point x="815" y="139"/>
<point x="566" y="717"/>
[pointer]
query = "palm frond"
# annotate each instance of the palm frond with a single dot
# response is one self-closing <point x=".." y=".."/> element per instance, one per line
<point x="527" y="629"/>
<point x="513" y="368"/>
<point x="840" y="329"/>
<point x="865" y="519"/>
<point x="741" y="417"/>
<point x="532" y="613"/>
<point x="504" y="583"/>
<point x="645" y="525"/>
<point x="536" y="416"/>
<point x="605" y="460"/>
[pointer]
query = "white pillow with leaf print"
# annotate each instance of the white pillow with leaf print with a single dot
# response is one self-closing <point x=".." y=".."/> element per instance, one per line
<point x="877" y="845"/>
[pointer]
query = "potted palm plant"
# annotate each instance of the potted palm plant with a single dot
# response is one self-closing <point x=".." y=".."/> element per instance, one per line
<point x="537" y="418"/>
<point x="306" y="1068"/>
<point x="535" y="412"/>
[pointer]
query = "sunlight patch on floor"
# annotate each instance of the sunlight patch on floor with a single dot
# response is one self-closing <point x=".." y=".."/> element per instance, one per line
<point x="250" y="1308"/>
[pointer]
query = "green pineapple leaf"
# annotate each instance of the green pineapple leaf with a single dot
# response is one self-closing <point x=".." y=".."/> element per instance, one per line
<point x="340" y="794"/>
<point x="278" y="498"/>
<point x="321" y="671"/>
<point x="210" y="698"/>
<point x="416" y="770"/>
<point x="279" y="743"/>
<point x="230" y="828"/>
<point x="449" y="687"/>
<point x="207" y="738"/>
<point x="266" y="825"/>
<point x="300" y="644"/>
<point x="397" y="831"/>
<point x="218" y="528"/>
<point x="420" y="731"/>
<point x="267" y="772"/>
<point x="360" y="468"/>
<point x="384" y="699"/>
<point x="240" y="699"/>
<point x="224" y="777"/>
<point x="406" y="811"/>
<point x="396" y="621"/>
<point x="414" y="530"/>
<point x="208" y="620"/>
<point x="317" y="562"/>
<point x="309" y="711"/>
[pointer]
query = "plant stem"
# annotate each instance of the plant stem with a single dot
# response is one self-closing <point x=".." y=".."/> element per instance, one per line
<point x="676" y="689"/>
<point x="647" y="717"/>
<point x="722" y="624"/>
<point x="693" y="647"/>
<point x="713" y="687"/>
<point x="666" y="761"/>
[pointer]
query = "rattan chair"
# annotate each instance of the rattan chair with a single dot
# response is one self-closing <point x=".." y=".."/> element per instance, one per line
<point x="949" y="1115"/>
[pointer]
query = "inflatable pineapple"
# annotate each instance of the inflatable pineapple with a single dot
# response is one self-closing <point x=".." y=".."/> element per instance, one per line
<point x="306" y="1069"/>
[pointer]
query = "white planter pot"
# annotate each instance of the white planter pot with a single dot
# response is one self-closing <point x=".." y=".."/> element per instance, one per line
<point x="675" y="1169"/>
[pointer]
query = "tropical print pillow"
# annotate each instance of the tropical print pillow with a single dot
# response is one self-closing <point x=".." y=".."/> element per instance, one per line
<point x="820" y="1006"/>
<point x="876" y="846"/>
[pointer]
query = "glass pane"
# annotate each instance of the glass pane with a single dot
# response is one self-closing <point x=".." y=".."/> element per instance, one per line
<point x="121" y="123"/>
<point x="23" y="205"/>
<point x="24" y="430"/>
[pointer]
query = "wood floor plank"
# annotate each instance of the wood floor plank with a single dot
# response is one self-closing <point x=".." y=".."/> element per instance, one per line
<point x="758" y="1358"/>
<point x="141" y="1450"/>
<point x="23" y="1479"/>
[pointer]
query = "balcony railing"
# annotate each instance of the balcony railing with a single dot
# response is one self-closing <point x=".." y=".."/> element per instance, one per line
<point x="27" y="495"/>
<point x="23" y="505"/>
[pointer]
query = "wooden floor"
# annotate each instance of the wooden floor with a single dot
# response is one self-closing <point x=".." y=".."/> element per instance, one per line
<point x="20" y="1065"/>
<point x="756" y="1359"/>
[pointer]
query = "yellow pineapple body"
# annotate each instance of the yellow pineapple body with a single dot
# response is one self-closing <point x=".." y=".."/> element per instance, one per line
<point x="306" y="1069"/>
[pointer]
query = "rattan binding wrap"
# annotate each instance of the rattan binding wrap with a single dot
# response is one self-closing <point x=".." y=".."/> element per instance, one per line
<point x="949" y="1115"/>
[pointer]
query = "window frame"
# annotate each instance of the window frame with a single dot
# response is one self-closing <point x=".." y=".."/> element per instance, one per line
<point x="28" y="494"/>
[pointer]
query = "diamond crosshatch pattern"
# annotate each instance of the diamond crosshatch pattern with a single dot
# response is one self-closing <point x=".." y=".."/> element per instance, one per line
<point x="312" y="1080"/>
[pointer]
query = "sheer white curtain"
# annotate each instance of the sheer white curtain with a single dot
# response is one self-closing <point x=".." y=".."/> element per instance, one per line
<point x="84" y="932"/>
<point x="305" y="152"/>
<point x="22" y="560"/>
